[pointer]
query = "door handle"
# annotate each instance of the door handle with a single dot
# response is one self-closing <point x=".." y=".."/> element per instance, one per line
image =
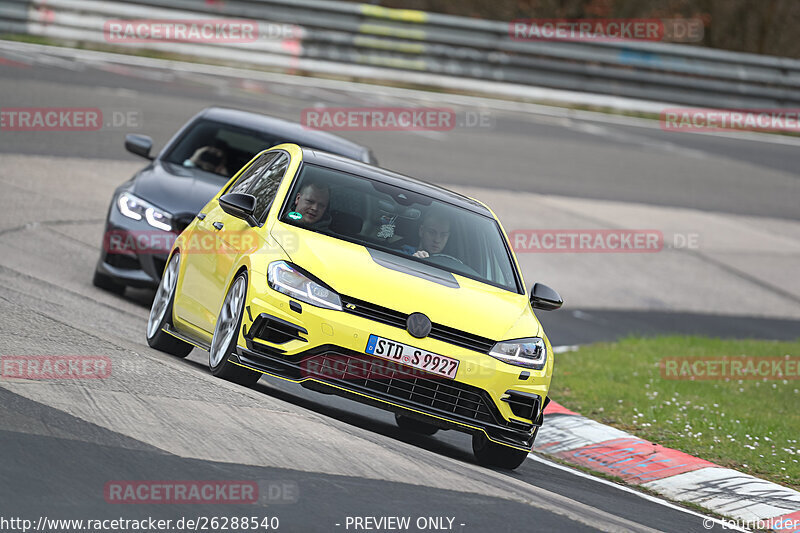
<point x="218" y="225"/>
<point x="201" y="216"/>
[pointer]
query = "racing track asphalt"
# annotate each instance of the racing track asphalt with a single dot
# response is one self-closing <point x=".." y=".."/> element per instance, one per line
<point x="512" y="151"/>
<point x="158" y="417"/>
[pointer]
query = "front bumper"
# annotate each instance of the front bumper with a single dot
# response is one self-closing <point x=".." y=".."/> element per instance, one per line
<point x="134" y="270"/>
<point x="133" y="253"/>
<point x="444" y="403"/>
<point x="324" y="350"/>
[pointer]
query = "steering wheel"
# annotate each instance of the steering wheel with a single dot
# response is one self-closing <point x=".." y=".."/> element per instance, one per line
<point x="457" y="260"/>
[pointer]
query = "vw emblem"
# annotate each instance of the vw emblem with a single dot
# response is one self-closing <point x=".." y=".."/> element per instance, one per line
<point x="418" y="325"/>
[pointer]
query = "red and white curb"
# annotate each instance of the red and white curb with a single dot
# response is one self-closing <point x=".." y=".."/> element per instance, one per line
<point x="674" y="474"/>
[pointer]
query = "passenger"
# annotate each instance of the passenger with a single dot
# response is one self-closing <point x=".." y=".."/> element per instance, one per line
<point x="433" y="235"/>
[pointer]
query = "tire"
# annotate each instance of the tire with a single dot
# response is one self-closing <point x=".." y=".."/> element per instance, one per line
<point x="107" y="283"/>
<point x="226" y="333"/>
<point x="161" y="314"/>
<point x="416" y="426"/>
<point x="491" y="454"/>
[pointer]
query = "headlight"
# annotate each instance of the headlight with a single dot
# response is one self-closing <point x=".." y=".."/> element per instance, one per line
<point x="282" y="277"/>
<point x="530" y="352"/>
<point x="134" y="207"/>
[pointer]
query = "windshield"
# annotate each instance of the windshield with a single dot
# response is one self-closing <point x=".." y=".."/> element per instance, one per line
<point x="219" y="148"/>
<point x="401" y="222"/>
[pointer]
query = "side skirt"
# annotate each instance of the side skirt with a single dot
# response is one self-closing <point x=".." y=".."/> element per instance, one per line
<point x="180" y="336"/>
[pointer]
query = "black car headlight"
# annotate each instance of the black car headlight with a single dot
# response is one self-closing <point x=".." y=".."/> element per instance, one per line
<point x="530" y="352"/>
<point x="135" y="208"/>
<point x="288" y="279"/>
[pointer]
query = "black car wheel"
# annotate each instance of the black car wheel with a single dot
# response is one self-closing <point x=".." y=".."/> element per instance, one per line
<point x="107" y="283"/>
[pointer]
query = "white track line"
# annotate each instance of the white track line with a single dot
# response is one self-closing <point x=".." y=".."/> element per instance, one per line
<point x="539" y="459"/>
<point x="727" y="524"/>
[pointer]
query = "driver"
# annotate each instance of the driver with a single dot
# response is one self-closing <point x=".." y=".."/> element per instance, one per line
<point x="211" y="158"/>
<point x="311" y="203"/>
<point x="433" y="235"/>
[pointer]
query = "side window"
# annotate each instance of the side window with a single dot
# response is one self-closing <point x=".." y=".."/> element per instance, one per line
<point x="248" y="176"/>
<point x="266" y="185"/>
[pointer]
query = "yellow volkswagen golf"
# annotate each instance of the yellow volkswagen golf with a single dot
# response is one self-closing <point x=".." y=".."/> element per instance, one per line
<point x="358" y="281"/>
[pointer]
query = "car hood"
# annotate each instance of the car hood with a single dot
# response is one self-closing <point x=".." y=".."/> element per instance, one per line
<point x="355" y="271"/>
<point x="176" y="189"/>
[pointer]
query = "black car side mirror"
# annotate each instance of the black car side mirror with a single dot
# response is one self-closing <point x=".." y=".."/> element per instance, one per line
<point x="545" y="298"/>
<point x="240" y="206"/>
<point x="139" y="145"/>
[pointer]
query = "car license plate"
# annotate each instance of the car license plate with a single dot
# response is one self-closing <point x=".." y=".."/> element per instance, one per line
<point x="413" y="357"/>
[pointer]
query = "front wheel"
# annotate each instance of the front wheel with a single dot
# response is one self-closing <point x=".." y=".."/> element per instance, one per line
<point x="161" y="314"/>
<point x="490" y="453"/>
<point x="226" y="333"/>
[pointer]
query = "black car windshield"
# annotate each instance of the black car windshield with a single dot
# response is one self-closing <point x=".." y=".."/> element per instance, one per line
<point x="408" y="224"/>
<point x="219" y="148"/>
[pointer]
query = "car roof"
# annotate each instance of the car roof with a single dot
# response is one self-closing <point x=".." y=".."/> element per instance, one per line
<point x="318" y="157"/>
<point x="291" y="131"/>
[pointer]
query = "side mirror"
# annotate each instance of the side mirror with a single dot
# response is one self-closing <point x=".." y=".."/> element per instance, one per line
<point x="139" y="145"/>
<point x="240" y="206"/>
<point x="545" y="298"/>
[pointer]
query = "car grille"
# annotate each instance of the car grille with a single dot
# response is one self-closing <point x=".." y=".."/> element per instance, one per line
<point x="123" y="261"/>
<point x="398" y="320"/>
<point x="394" y="380"/>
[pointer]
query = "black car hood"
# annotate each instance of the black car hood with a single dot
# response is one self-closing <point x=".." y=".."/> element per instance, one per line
<point x="175" y="189"/>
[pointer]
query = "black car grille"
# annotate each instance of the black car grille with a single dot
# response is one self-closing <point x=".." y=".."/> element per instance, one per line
<point x="125" y="261"/>
<point x="398" y="320"/>
<point x="404" y="383"/>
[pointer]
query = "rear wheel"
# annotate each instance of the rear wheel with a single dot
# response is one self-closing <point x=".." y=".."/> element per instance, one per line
<point x="414" y="425"/>
<point x="226" y="333"/>
<point x="161" y="314"/>
<point x="107" y="283"/>
<point x="490" y="453"/>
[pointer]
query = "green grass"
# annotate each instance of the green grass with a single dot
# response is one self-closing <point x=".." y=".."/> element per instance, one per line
<point x="750" y="425"/>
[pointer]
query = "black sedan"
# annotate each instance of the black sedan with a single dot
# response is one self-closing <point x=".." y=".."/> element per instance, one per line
<point x="148" y="211"/>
